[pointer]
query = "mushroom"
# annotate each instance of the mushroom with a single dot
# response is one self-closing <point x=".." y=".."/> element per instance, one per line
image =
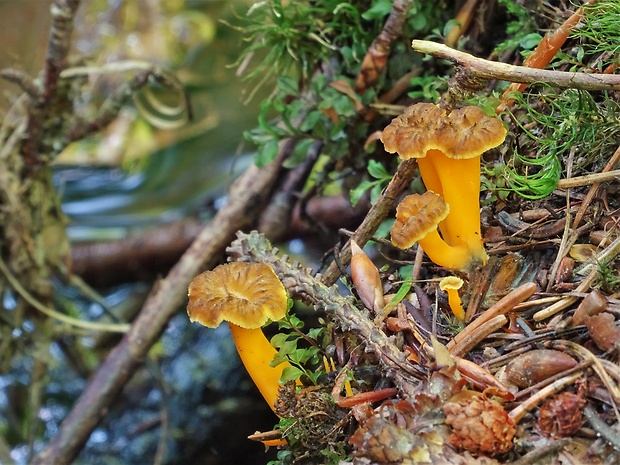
<point x="448" y="148"/>
<point x="452" y="284"/>
<point x="247" y="295"/>
<point x="417" y="219"/>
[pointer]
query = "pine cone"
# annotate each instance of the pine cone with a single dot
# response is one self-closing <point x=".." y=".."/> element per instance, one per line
<point x="479" y="424"/>
<point x="561" y="416"/>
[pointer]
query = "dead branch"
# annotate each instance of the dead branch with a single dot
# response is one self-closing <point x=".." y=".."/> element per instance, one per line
<point x="50" y="98"/>
<point x="376" y="57"/>
<point x="485" y="69"/>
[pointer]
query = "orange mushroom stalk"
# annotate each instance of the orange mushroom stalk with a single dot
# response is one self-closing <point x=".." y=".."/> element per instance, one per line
<point x="448" y="148"/>
<point x="417" y="219"/>
<point x="247" y="295"/>
<point x="452" y="284"/>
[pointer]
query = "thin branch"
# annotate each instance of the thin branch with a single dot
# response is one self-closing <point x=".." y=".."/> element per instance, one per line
<point x="63" y="14"/>
<point x="586" y="180"/>
<point x="486" y="69"/>
<point x="377" y="55"/>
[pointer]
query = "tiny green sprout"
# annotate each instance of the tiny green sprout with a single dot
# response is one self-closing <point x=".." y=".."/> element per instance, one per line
<point x="608" y="277"/>
<point x="556" y="122"/>
<point x="427" y="87"/>
<point x="300" y="349"/>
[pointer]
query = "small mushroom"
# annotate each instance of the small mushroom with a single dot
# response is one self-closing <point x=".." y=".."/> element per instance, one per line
<point x="417" y="219"/>
<point x="452" y="284"/>
<point x="247" y="295"/>
<point x="448" y="148"/>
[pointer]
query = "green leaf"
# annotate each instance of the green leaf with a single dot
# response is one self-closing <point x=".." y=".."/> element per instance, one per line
<point x="375" y="192"/>
<point x="315" y="333"/>
<point x="357" y="193"/>
<point x="278" y="340"/>
<point x="267" y="153"/>
<point x="311" y="120"/>
<point x="378" y="10"/>
<point x="299" y="153"/>
<point x="288" y="85"/>
<point x="289" y="347"/>
<point x="290" y="374"/>
<point x="530" y="41"/>
<point x="449" y="25"/>
<point x="377" y="170"/>
<point x="278" y="359"/>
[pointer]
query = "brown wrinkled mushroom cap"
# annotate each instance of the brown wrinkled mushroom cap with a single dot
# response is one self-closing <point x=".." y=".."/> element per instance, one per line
<point x="245" y="294"/>
<point x="463" y="133"/>
<point x="416" y="216"/>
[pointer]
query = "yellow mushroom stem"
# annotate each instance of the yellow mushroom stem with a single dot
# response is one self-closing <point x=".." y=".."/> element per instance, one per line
<point x="452" y="257"/>
<point x="454" y="300"/>
<point x="256" y="352"/>
<point x="459" y="186"/>
<point x="451" y="285"/>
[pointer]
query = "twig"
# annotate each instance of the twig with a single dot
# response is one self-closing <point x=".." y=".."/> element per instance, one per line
<point x="567" y="301"/>
<point x="476" y="336"/>
<point x="532" y="231"/>
<point x="519" y="412"/>
<point x="595" y="178"/>
<point x="594" y="189"/>
<point x="108" y="111"/>
<point x="24" y="81"/>
<point x="486" y="69"/>
<point x="503" y="306"/>
<point x="63" y="13"/>
<point x="533" y="456"/>
<point x="377" y="55"/>
<point x="161" y="305"/>
<point x="374" y="218"/>
<point x="50" y="312"/>
<point x="601" y="427"/>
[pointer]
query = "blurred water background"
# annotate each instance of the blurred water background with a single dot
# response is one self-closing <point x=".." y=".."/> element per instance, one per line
<point x="191" y="402"/>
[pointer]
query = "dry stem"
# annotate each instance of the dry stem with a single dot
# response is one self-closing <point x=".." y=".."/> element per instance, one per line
<point x="486" y="69"/>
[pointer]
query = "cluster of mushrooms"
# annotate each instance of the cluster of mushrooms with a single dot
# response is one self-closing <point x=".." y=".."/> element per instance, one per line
<point x="447" y="147"/>
<point x="445" y="221"/>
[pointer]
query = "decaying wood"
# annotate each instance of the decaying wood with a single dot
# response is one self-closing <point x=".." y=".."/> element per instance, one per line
<point x="376" y="57"/>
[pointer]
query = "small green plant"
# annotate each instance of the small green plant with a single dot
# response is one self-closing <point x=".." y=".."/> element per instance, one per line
<point x="609" y="278"/>
<point x="520" y="30"/>
<point x="300" y="349"/>
<point x="381" y="178"/>
<point x="428" y="88"/>
<point x="599" y="33"/>
<point x="556" y="123"/>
